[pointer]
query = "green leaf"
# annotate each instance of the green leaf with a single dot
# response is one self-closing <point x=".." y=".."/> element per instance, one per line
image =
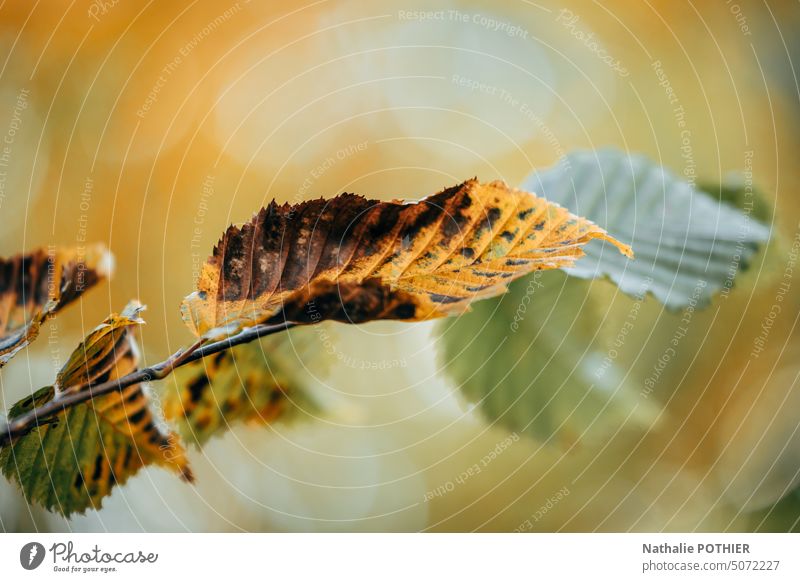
<point x="736" y="190"/>
<point x="680" y="235"/>
<point x="74" y="459"/>
<point x="782" y="516"/>
<point x="532" y="362"/>
<point x="540" y="359"/>
<point x="259" y="382"/>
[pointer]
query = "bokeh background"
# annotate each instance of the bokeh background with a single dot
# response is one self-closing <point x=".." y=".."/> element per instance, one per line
<point x="151" y="126"/>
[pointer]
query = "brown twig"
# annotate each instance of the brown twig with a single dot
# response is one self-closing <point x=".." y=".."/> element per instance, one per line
<point x="67" y="398"/>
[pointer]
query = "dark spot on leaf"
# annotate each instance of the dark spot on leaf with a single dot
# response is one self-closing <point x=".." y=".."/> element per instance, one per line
<point x="196" y="388"/>
<point x="98" y="467"/>
<point x="444" y="299"/>
<point x="134" y="396"/>
<point x="489" y="219"/>
<point x="523" y="214"/>
<point x="128" y="456"/>
<point x="137" y="416"/>
<point x="405" y="311"/>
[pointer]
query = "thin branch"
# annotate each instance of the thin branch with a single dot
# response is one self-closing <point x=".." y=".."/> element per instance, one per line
<point x="68" y="398"/>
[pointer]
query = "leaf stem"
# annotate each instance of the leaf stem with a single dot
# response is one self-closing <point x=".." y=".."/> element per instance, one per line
<point x="67" y="398"/>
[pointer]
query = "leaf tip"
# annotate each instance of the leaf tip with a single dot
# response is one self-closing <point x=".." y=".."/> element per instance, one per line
<point x="626" y="250"/>
<point x="186" y="474"/>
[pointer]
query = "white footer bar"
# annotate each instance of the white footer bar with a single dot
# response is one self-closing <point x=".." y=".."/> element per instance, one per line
<point x="405" y="557"/>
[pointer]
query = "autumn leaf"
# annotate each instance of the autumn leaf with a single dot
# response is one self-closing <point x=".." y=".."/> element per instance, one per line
<point x="73" y="460"/>
<point x="411" y="261"/>
<point x="34" y="287"/>
<point x="256" y="383"/>
<point x="534" y="361"/>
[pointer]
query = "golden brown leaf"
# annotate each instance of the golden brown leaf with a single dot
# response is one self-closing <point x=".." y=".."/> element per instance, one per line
<point x="34" y="287"/>
<point x="412" y="261"/>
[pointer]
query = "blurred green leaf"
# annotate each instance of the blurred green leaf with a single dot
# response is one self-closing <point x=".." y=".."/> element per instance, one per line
<point x="680" y="235"/>
<point x="257" y="382"/>
<point x="735" y="190"/>
<point x="782" y="516"/>
<point x="532" y="361"/>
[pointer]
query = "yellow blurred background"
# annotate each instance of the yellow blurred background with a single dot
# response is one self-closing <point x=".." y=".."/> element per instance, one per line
<point x="151" y="126"/>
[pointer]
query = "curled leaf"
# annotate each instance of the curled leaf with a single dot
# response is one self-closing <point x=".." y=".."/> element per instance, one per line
<point x="681" y="234"/>
<point x="35" y="286"/>
<point x="74" y="459"/>
<point x="415" y="261"/>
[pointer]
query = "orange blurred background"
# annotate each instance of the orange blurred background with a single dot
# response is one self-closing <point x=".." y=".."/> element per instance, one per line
<point x="152" y="126"/>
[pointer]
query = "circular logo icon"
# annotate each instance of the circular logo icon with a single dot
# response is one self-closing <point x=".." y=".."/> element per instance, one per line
<point x="31" y="555"/>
